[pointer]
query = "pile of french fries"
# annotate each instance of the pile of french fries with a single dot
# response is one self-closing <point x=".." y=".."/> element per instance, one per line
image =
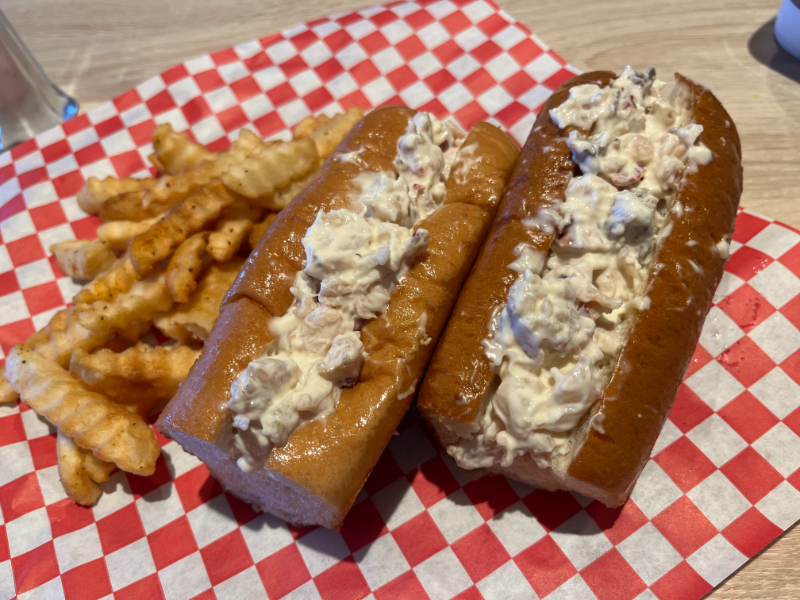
<point x="168" y="251"/>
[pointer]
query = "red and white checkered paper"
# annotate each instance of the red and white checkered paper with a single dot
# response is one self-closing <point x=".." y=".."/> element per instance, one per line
<point x="724" y="477"/>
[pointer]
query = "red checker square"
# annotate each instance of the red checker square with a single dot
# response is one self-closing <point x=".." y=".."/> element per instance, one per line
<point x="269" y="124"/>
<point x="471" y="593"/>
<point x="455" y="22"/>
<point x="75" y="125"/>
<point x="545" y="566"/>
<point x="197" y="487"/>
<point x="689" y="410"/>
<point x="792" y="421"/>
<point x="32" y="177"/>
<point x="393" y="101"/>
<point x="747" y="226"/>
<point x="492" y="24"/>
<point x="7" y="173"/>
<point x="751" y="532"/>
<point x="298" y="532"/>
<point x="283" y="572"/>
<point x="8" y="284"/>
<point x="751" y="474"/>
<point x="419" y="538"/>
<point x="479" y="81"/>
<point x="480" y="552"/>
<point x="343" y="581"/>
<point x="747" y="262"/>
<point x="43" y="297"/>
<point x="490" y="495"/>
<point x="486" y="52"/>
<point x="232" y="118"/>
<point x="421" y="18"/>
<point x="791" y="259"/>
<point x="148" y="587"/>
<point x="611" y="577"/>
<point x="685" y="463"/>
<point x="23" y="149"/>
<point x="43" y="451"/>
<point x="406" y="586"/>
<point x="68" y="184"/>
<point x="410" y="48"/>
<point x="525" y="51"/>
<point x="433" y="481"/>
<point x="65" y="517"/>
<point x="356" y="98"/>
<point x="258" y="62"/>
<point x="55" y="151"/>
<point x="120" y="528"/>
<point x="47" y="216"/>
<point x="402" y="77"/>
<point x="511" y="114"/>
<point x="14" y="333"/>
<point x="142" y="132"/>
<point x="282" y="94"/>
<point x="293" y="66"/>
<point x="209" y="80"/>
<point x="748" y="417"/>
<point x="552" y="509"/>
<point x="447" y="52"/>
<point x="518" y="84"/>
<point x="557" y="79"/>
<point x="349" y="19"/>
<point x="34" y="568"/>
<point x="12" y="207"/>
<point x="5" y="552"/>
<point x="794" y="479"/>
<point x="746" y="307"/>
<point x="684" y="526"/>
<point x="109" y="126"/>
<point x="438" y="110"/>
<point x="11" y="430"/>
<point x="207" y="595"/>
<point x="338" y="40"/>
<point x="245" y="88"/>
<point x="242" y="511"/>
<point x="172" y="542"/>
<point x="374" y="42"/>
<point x="791" y="310"/>
<point x="174" y="74"/>
<point x="226" y="557"/>
<point x="440" y="81"/>
<point x="90" y="154"/>
<point x="196" y="110"/>
<point x="141" y="486"/>
<point x="382" y="19"/>
<point x="681" y="583"/>
<point x="160" y="103"/>
<point x="617" y="523"/>
<point x="219" y="145"/>
<point x="304" y="39"/>
<point x="127" y="100"/>
<point x="362" y="525"/>
<point x="224" y="57"/>
<point x="364" y="72"/>
<point x="86" y="228"/>
<point x="90" y="581"/>
<point x="329" y="69"/>
<point x="318" y="99"/>
<point x="470" y="114"/>
<point x="386" y="471"/>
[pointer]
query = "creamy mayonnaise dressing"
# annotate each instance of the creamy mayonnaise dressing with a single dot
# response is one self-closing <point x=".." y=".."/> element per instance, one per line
<point x="354" y="257"/>
<point x="553" y="343"/>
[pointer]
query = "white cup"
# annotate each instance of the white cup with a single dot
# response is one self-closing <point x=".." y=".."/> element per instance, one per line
<point x="787" y="27"/>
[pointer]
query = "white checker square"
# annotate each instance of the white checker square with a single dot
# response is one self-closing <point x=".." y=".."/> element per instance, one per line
<point x="7" y="590"/>
<point x="14" y="308"/>
<point x="174" y="117"/>
<point x="416" y="95"/>
<point x="378" y="91"/>
<point x="42" y="319"/>
<point x="233" y="72"/>
<point x="396" y="32"/>
<point x="735" y="246"/>
<point x="325" y="29"/>
<point x="5" y="158"/>
<point x="178" y="460"/>
<point x="102" y="113"/>
<point x="781" y="505"/>
<point x="50" y="484"/>
<point x="35" y="426"/>
<point x="405" y="9"/>
<point x="45" y="192"/>
<point x="342" y="85"/>
<point x="321" y="549"/>
<point x="159" y="507"/>
<point x="35" y="273"/>
<point x="439" y="10"/>
<point x="727" y="285"/>
<point x="509" y="37"/>
<point x="212" y="520"/>
<point x="573" y="589"/>
<point x="534" y="97"/>
<point x="774" y="240"/>
<point x="101" y="169"/>
<point x="646" y="595"/>
<point x="516" y="528"/>
<point x="269" y="78"/>
<point x="360" y="29"/>
<point x="295" y="31"/>
<point x="470" y="38"/>
<point x="477" y="11"/>
<point x="543" y="67"/>
<point x="78" y="547"/>
<point x="316" y="54"/>
<point x="455" y="516"/>
<point x="68" y="288"/>
<point x="719" y="500"/>
<point x="63" y="165"/>
<point x="381" y="561"/>
<point x="520" y="130"/>
<point x="351" y="55"/>
<point x="715" y="386"/>
<point x="669" y="433"/>
<point x="430" y="576"/>
<point x="16" y="460"/>
<point x="292" y="113"/>
<point x="17" y="226"/>
<point x="455" y="97"/>
<point x="495" y="100"/>
<point x="257" y="107"/>
<point x="506" y="583"/>
<point x="717" y="440"/>
<point x="72" y="210"/>
<point x="305" y="82"/>
<point x="246" y="584"/>
<point x="649" y="553"/>
<point x="9" y="190"/>
<point x="49" y="137"/>
<point x="281" y="52"/>
<point x="307" y="591"/>
<point x="719" y="332"/>
<point x="781" y="447"/>
<point x="29" y="531"/>
<point x="433" y="35"/>
<point x="502" y="67"/>
<point x="9" y="409"/>
<point x="654" y="490"/>
<point x="208" y="130"/>
<point x="581" y="540"/>
<point x="5" y="260"/>
<point x="200" y="64"/>
<point x="116" y="495"/>
<point x="463" y="476"/>
<point x="387" y="60"/>
<point x="221" y="99"/>
<point x="151" y="87"/>
<point x="584" y="501"/>
<point x="82" y="139"/>
<point x="52" y="590"/>
<point x="185" y="579"/>
<point x="135" y="115"/>
<point x="247" y="49"/>
<point x="265" y="535"/>
<point x="184" y="90"/>
<point x="29" y="162"/>
<point x="118" y="143"/>
<point x="397" y="503"/>
<point x="778" y="392"/>
<point x="425" y="64"/>
<point x="777" y="284"/>
<point x="716" y="560"/>
<point x="463" y="66"/>
<point x="777" y="337"/>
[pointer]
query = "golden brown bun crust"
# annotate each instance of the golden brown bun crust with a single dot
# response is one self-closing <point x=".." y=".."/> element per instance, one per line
<point x="650" y="369"/>
<point x="460" y="373"/>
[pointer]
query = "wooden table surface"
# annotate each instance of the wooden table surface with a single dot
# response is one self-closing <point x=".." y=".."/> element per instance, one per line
<point x="97" y="49"/>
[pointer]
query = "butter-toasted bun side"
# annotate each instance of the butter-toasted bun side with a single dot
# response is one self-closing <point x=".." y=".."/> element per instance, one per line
<point x="602" y="455"/>
<point x="315" y="476"/>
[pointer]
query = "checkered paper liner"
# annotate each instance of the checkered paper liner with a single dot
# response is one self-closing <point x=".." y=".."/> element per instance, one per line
<point x="724" y="477"/>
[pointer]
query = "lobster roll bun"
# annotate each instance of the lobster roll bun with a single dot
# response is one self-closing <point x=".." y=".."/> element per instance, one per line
<point x="576" y="326"/>
<point x="326" y="333"/>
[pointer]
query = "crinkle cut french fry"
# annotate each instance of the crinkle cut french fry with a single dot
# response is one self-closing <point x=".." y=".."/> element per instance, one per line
<point x="106" y="286"/>
<point x="62" y="335"/>
<point x="259" y="228"/>
<point x="245" y="144"/>
<point x="280" y="198"/>
<point x="7" y="393"/>
<point x="189" y="217"/>
<point x="113" y="433"/>
<point x="80" y="471"/>
<point x="118" y="234"/>
<point x="83" y="259"/>
<point x="176" y="153"/>
<point x="232" y="229"/>
<point x="186" y="265"/>
<point x="96" y="191"/>
<point x="304" y="128"/>
<point x="328" y="136"/>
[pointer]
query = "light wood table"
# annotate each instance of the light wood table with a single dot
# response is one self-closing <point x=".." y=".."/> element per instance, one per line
<point x="97" y="49"/>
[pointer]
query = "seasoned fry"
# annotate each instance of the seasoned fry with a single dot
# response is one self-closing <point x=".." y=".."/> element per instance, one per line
<point x="259" y="228"/>
<point x="304" y="128"/>
<point x="62" y="335"/>
<point x="189" y="261"/>
<point x="7" y="393"/>
<point x="80" y="471"/>
<point x="192" y="320"/>
<point x="96" y="191"/>
<point x="157" y="243"/>
<point x="137" y="377"/>
<point x="328" y="135"/>
<point x="83" y="259"/>
<point x="118" y="279"/>
<point x="281" y="198"/>
<point x="174" y="152"/>
<point x="118" y="234"/>
<point x="232" y="229"/>
<point x="113" y="433"/>
<point x="245" y="145"/>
